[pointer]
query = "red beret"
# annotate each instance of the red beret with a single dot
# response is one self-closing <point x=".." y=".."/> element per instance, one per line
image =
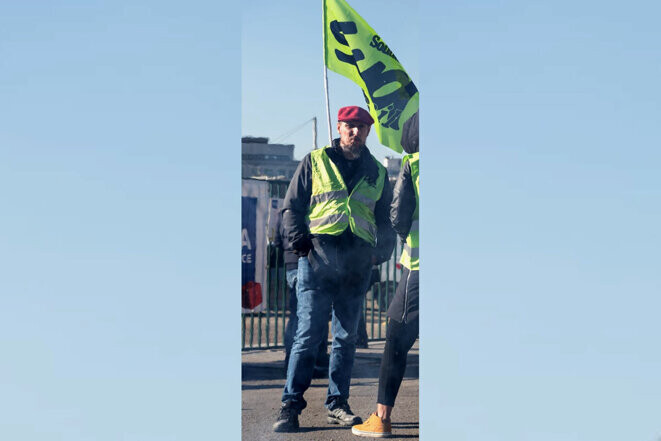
<point x="355" y="114"/>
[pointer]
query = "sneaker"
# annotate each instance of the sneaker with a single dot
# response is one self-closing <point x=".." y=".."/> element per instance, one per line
<point x="374" y="427"/>
<point x="342" y="415"/>
<point x="287" y="419"/>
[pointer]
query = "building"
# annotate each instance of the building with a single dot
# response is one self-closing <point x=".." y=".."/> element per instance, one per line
<point x="259" y="159"/>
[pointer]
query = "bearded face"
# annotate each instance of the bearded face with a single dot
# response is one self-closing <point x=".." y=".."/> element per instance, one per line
<point x="352" y="136"/>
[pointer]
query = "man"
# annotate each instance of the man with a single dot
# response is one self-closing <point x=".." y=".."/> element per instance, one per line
<point x="403" y="322"/>
<point x="291" y="274"/>
<point x="336" y="218"/>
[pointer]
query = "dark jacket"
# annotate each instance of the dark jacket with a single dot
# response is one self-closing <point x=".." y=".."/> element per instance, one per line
<point x="403" y="200"/>
<point x="405" y="304"/>
<point x="346" y="256"/>
<point x="290" y="258"/>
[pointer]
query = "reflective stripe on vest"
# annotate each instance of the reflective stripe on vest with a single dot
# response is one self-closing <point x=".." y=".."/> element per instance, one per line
<point x="318" y="198"/>
<point x="332" y="209"/>
<point x="330" y="219"/>
<point x="411" y="253"/>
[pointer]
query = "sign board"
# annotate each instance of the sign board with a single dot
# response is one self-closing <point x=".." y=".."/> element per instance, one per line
<point x="254" y="214"/>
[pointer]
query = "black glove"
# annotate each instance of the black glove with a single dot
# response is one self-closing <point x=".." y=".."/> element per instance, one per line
<point x="302" y="246"/>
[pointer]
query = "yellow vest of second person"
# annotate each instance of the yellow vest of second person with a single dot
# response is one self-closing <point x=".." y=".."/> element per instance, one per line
<point x="333" y="209"/>
<point x="411" y="254"/>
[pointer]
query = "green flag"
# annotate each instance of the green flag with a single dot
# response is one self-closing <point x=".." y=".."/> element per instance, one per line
<point x="354" y="50"/>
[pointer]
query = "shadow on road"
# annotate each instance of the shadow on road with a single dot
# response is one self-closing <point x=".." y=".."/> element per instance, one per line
<point x="401" y="425"/>
<point x="365" y="366"/>
<point x="274" y="386"/>
<point x="273" y="370"/>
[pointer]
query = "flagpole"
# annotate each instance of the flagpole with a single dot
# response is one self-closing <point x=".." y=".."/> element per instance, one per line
<point x="330" y="135"/>
<point x="323" y="28"/>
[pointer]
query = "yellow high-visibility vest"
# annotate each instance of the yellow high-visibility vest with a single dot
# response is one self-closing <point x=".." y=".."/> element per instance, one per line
<point x="332" y="209"/>
<point x="411" y="254"/>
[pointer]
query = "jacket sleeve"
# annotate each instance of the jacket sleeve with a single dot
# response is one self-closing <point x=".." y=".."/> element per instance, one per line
<point x="403" y="202"/>
<point x="385" y="235"/>
<point x="295" y="208"/>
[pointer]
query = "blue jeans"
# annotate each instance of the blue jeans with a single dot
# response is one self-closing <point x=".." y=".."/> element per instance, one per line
<point x="315" y="302"/>
<point x="321" y="362"/>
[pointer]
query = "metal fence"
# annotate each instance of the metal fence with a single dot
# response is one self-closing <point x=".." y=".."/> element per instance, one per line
<point x="266" y="328"/>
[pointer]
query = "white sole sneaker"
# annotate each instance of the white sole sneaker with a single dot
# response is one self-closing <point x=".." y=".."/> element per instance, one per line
<point x="370" y="434"/>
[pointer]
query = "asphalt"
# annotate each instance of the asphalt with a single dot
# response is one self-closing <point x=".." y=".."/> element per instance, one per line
<point x="263" y="380"/>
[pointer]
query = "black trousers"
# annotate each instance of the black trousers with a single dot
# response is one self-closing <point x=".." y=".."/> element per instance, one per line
<point x="399" y="340"/>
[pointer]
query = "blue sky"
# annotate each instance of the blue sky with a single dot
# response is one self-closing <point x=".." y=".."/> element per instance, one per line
<point x="116" y="134"/>
<point x="119" y="153"/>
<point x="544" y="164"/>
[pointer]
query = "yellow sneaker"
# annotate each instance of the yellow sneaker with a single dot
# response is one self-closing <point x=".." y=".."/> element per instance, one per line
<point x="374" y="427"/>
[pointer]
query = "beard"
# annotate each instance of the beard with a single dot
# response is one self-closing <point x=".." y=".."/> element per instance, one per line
<point x="352" y="150"/>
